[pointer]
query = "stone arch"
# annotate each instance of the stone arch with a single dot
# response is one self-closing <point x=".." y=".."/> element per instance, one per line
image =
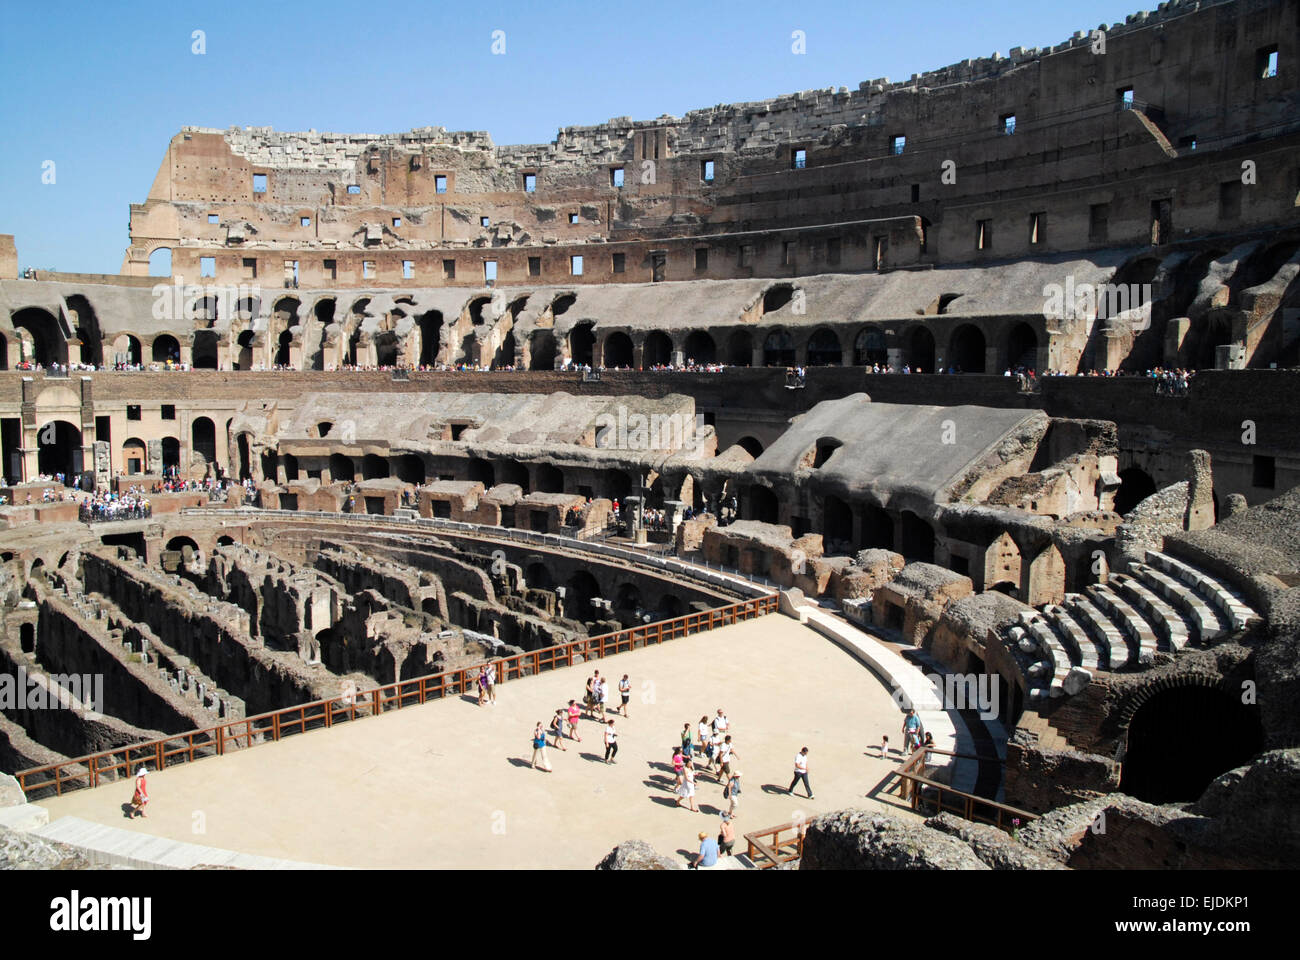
<point x="740" y="348"/>
<point x="1135" y="485"/>
<point x="1180" y="732"/>
<point x="777" y="296"/>
<point x="617" y="351"/>
<point x="203" y="353"/>
<point x="284" y="349"/>
<point x="541" y="354"/>
<point x="657" y="351"/>
<point x="778" y="348"/>
<point x="374" y="467"/>
<point x="342" y="469"/>
<point x="244" y="356"/>
<point x="877" y="527"/>
<point x="58" y="449"/>
<point x="920" y="349"/>
<point x="171" y="453"/>
<point x="165" y="347"/>
<point x="837" y="524"/>
<point x="1022" y="347"/>
<point x="824" y="348"/>
<point x="48" y="343"/>
<point x="160" y="262"/>
<point x="580" y="589"/>
<point x="87" y="330"/>
<point x="752" y="446"/>
<point x="869" y="347"/>
<point x="966" y="349"/>
<point x="700" y="348"/>
<point x="203" y="439"/>
<point x="582" y="344"/>
<point x="512" y="471"/>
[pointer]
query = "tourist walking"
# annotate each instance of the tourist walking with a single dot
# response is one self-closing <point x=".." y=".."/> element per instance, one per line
<point x="602" y="695"/>
<point x="715" y="751"/>
<point x="611" y="741"/>
<point x="686" y="743"/>
<point x="884" y="746"/>
<point x="539" y="748"/>
<point x="801" y="772"/>
<point x="574" y="714"/>
<point x="589" y="698"/>
<point x="140" y="798"/>
<point x="911" y="732"/>
<point x="726" y="836"/>
<point x="686" y="789"/>
<point x="491" y="677"/>
<point x="731" y="792"/>
<point x="720" y="723"/>
<point x="705" y="734"/>
<point x="725" y="756"/>
<point x="625" y="691"/>
<point x="557" y="728"/>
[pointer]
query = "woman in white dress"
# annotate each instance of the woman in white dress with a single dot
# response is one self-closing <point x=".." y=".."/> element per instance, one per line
<point x="686" y="791"/>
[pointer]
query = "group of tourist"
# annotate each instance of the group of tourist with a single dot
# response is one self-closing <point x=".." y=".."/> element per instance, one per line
<point x="594" y="705"/>
<point x="115" y="506"/>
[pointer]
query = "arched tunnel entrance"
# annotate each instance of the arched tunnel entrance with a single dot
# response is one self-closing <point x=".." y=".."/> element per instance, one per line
<point x="1181" y="738"/>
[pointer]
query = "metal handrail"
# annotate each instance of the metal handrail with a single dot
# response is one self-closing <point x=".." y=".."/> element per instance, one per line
<point x="107" y="766"/>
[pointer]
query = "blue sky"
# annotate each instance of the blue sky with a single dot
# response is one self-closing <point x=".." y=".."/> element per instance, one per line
<point x="100" y="88"/>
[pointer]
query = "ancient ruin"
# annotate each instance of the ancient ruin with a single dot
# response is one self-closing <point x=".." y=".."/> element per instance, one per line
<point x="994" y="367"/>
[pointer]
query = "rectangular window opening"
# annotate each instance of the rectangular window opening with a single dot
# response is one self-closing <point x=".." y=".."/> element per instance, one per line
<point x="440" y="183"/>
<point x="916" y="193"/>
<point x="619" y="262"/>
<point x="490" y="271"/>
<point x="799" y="159"/>
<point x="530" y="183"/>
<point x="397" y="221"/>
<point x="1098" y="222"/>
<point x="213" y="218"/>
<point x="706" y="171"/>
<point x="133" y="411"/>
<point x="331" y="269"/>
<point x="1263" y="472"/>
<point x="787" y="253"/>
<point x="207" y="266"/>
<point x="534" y="266"/>
<point x="1008" y="123"/>
<point x="259" y="183"/>
<point x="249" y="265"/>
<point x="304" y="221"/>
<point x="1125" y="97"/>
<point x="1266" y="62"/>
<point x="408" y="269"/>
<point x="575" y="266"/>
<point x="616" y="176"/>
<point x="746" y="255"/>
<point x="702" y="258"/>
<point x="484" y="221"/>
<point x="353" y="189"/>
<point x="899" y="144"/>
<point x="449" y="269"/>
<point x="573" y="218"/>
<point x="368" y="269"/>
<point x="169" y="411"/>
<point x="983" y="234"/>
<point x="1037" y="221"/>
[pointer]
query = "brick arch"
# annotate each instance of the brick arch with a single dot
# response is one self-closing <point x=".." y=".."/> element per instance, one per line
<point x="1129" y="707"/>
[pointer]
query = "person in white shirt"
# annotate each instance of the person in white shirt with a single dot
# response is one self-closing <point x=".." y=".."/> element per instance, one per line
<point x="611" y="742"/>
<point x="720" y="722"/>
<point x="801" y="772"/>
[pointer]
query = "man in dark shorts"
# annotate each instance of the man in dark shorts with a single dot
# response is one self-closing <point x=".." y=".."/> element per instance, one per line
<point x="625" y="691"/>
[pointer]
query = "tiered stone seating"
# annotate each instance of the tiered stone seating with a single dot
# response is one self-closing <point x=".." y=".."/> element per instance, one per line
<point x="1170" y="629"/>
<point x="1111" y="641"/>
<point x="1227" y="601"/>
<point x="1083" y="652"/>
<point x="1205" y="622"/>
<point x="1042" y="631"/>
<point x="1129" y="620"/>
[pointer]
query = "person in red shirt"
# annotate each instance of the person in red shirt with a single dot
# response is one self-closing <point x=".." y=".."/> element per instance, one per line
<point x="141" y="796"/>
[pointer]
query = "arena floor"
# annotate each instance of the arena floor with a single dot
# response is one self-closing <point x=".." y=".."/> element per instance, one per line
<point x="448" y="784"/>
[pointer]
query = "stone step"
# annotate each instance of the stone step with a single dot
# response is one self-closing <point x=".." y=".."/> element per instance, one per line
<point x="1114" y="650"/>
<point x="1169" y="626"/>
<point x="1227" y="601"/>
<point x="1130" y="621"/>
<point x="1204" y="620"/>
<point x="1083" y="652"/>
<point x="1057" y="655"/>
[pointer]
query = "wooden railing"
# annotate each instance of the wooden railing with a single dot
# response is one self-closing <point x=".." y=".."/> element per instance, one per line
<point x="771" y="846"/>
<point x="111" y="765"/>
<point x="921" y="791"/>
